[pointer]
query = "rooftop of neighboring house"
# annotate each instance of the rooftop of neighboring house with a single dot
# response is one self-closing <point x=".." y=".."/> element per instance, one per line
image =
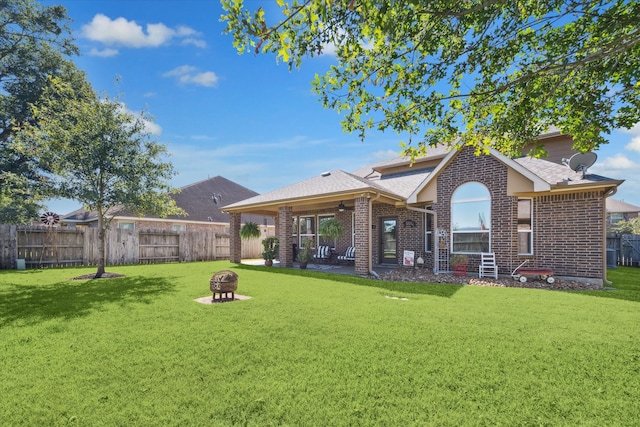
<point x="619" y="206"/>
<point x="202" y="201"/>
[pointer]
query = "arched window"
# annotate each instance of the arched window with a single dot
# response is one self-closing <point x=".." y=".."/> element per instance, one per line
<point x="471" y="219"/>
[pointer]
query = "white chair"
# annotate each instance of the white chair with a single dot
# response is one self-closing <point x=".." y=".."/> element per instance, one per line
<point x="349" y="255"/>
<point x="323" y="254"/>
<point x="488" y="265"/>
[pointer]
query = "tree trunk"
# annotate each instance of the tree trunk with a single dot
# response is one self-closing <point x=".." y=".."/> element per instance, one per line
<point x="101" y="245"/>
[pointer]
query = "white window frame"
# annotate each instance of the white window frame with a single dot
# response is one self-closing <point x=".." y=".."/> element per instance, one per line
<point x="458" y="204"/>
<point x="126" y="225"/>
<point x="428" y="232"/>
<point x="179" y="227"/>
<point x="530" y="230"/>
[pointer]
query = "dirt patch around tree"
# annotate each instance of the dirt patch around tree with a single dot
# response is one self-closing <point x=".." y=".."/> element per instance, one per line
<point x="104" y="275"/>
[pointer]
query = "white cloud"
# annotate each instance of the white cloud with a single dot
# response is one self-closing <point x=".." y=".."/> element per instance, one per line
<point x="180" y="71"/>
<point x="121" y="32"/>
<point x="187" y="74"/>
<point x="195" y="42"/>
<point x="618" y="162"/>
<point x="104" y="53"/>
<point x="149" y="126"/>
<point x="634" y="145"/>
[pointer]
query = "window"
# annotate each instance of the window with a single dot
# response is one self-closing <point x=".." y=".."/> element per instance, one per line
<point x="126" y="225"/>
<point x="471" y="219"/>
<point x="179" y="227"/>
<point x="428" y="232"/>
<point x="295" y="230"/>
<point x="525" y="226"/>
<point x="307" y="229"/>
<point x="321" y="239"/>
<point x="615" y="217"/>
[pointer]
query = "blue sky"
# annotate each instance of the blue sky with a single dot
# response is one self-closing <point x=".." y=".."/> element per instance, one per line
<point x="243" y="117"/>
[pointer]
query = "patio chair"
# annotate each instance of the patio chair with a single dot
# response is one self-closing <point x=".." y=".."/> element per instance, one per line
<point x="349" y="255"/>
<point x="488" y="265"/>
<point x="323" y="254"/>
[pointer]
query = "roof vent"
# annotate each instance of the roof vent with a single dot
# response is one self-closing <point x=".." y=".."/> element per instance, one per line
<point x="325" y="173"/>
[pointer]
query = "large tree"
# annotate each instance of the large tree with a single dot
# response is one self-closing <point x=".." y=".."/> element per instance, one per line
<point x="100" y="155"/>
<point x="34" y="44"/>
<point x="495" y="73"/>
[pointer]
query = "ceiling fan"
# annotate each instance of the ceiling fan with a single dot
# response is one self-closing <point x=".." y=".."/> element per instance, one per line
<point x="342" y="207"/>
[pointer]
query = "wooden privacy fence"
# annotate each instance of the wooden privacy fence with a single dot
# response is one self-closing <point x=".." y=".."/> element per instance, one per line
<point x="626" y="247"/>
<point x="42" y="247"/>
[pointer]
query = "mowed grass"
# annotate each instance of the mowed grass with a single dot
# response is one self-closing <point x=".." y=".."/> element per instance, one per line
<point x="312" y="349"/>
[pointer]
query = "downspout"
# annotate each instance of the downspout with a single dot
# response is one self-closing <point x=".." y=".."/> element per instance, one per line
<point x="436" y="249"/>
<point x="609" y="193"/>
<point x="373" y="273"/>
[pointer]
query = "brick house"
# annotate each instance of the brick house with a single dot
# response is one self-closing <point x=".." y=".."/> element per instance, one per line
<point x="202" y="201"/>
<point x="618" y="210"/>
<point x="450" y="202"/>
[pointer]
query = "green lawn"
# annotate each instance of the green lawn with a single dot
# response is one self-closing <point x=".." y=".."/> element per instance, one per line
<point x="312" y="349"/>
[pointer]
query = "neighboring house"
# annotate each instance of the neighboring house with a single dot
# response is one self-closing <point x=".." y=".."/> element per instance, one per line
<point x="449" y="202"/>
<point x="617" y="211"/>
<point x="202" y="202"/>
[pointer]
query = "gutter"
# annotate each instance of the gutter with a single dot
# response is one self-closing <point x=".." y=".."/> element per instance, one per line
<point x="436" y="250"/>
<point x="608" y="193"/>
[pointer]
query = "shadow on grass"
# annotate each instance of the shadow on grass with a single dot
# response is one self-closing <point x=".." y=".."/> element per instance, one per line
<point x="30" y="304"/>
<point x="433" y="289"/>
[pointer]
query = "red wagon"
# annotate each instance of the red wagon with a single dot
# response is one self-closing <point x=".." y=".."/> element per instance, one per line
<point x="521" y="273"/>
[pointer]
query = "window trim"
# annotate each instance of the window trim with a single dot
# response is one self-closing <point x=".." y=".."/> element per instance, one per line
<point x="454" y="232"/>
<point x="428" y="233"/>
<point x="530" y="230"/>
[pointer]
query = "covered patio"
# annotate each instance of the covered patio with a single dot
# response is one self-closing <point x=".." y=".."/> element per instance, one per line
<point x="298" y="209"/>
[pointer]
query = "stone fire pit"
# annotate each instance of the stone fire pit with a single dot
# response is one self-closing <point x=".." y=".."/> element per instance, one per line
<point x="223" y="283"/>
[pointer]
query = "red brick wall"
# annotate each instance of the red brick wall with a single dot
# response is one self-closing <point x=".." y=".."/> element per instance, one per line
<point x="362" y="235"/>
<point x="285" y="229"/>
<point x="568" y="230"/>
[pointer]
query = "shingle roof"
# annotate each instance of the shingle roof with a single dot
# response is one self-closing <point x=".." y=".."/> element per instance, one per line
<point x="333" y="182"/>
<point x="197" y="199"/>
<point x="619" y="206"/>
<point x="554" y="173"/>
<point x="404" y="184"/>
<point x="432" y="153"/>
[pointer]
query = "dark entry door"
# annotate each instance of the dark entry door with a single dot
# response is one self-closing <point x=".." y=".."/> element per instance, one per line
<point x="388" y="241"/>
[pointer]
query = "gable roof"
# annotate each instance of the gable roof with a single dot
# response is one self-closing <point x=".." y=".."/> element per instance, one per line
<point x="329" y="185"/>
<point x="618" y="206"/>
<point x="196" y="199"/>
<point x="399" y="183"/>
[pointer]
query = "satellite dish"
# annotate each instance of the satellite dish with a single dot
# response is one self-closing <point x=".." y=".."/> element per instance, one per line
<point x="580" y="162"/>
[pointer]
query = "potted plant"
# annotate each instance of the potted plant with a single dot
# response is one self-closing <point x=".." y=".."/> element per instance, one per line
<point x="459" y="264"/>
<point x="249" y="230"/>
<point x="271" y="245"/>
<point x="305" y="255"/>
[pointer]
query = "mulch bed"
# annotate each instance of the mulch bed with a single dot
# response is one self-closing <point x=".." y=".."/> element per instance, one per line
<point x="424" y="275"/>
